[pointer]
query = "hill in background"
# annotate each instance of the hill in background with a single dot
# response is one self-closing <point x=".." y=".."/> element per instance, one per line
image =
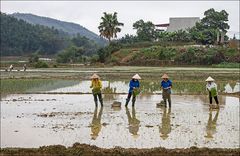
<point x="19" y="38"/>
<point x="71" y="28"/>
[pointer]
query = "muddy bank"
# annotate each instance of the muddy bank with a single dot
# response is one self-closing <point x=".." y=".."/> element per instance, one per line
<point x="87" y="150"/>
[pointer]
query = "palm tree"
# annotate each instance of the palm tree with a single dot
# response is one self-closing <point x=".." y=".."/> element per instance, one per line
<point x="109" y="27"/>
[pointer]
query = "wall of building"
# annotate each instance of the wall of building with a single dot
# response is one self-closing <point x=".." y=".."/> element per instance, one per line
<point x="182" y="23"/>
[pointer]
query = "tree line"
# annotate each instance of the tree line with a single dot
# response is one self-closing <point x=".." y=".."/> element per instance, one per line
<point x="204" y="32"/>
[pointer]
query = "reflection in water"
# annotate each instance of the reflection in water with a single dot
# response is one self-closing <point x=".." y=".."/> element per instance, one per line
<point x="211" y="125"/>
<point x="165" y="129"/>
<point x="68" y="120"/>
<point x="96" y="125"/>
<point x="133" y="122"/>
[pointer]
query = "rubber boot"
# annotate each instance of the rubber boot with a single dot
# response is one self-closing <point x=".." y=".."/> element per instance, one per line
<point x="133" y="101"/>
<point x="127" y="101"/>
<point x="169" y="103"/>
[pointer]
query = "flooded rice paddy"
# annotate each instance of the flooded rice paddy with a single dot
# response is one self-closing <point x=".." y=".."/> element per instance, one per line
<point x="33" y="120"/>
<point x="55" y="106"/>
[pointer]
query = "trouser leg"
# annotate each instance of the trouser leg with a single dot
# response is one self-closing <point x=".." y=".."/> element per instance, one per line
<point x="216" y="100"/>
<point x="95" y="99"/>
<point x="169" y="101"/>
<point x="210" y="99"/>
<point x="128" y="98"/>
<point x="165" y="97"/>
<point x="133" y="100"/>
<point x="100" y="98"/>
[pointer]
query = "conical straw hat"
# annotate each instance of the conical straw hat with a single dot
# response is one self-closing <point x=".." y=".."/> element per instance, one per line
<point x="209" y="79"/>
<point x="165" y="76"/>
<point x="136" y="76"/>
<point x="164" y="136"/>
<point x="94" y="76"/>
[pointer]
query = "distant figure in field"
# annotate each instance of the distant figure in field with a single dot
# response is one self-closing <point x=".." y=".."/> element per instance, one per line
<point x="96" y="89"/>
<point x="11" y="67"/>
<point x="211" y="87"/>
<point x="24" y="67"/>
<point x="133" y="89"/>
<point x="166" y="86"/>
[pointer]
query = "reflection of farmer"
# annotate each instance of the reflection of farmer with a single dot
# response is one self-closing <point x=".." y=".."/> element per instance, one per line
<point x="133" y="122"/>
<point x="11" y="67"/>
<point x="96" y="123"/>
<point x="211" y="125"/>
<point x="96" y="89"/>
<point x="212" y="89"/>
<point x="24" y="67"/>
<point x="165" y="129"/>
<point x="166" y="85"/>
<point x="133" y="89"/>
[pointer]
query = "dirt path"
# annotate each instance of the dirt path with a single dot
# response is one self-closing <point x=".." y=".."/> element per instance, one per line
<point x="87" y="150"/>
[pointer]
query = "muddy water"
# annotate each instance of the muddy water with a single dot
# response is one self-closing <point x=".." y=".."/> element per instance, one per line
<point x="35" y="120"/>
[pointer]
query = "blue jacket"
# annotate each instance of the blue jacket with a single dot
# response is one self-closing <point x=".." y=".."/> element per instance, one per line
<point x="166" y="84"/>
<point x="132" y="84"/>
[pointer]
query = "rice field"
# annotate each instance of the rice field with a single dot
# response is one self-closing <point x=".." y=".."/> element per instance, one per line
<point x="55" y="107"/>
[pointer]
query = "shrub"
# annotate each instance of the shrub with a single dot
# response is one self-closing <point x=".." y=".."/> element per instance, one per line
<point x="227" y="65"/>
<point x="33" y="58"/>
<point x="41" y="64"/>
<point x="94" y="58"/>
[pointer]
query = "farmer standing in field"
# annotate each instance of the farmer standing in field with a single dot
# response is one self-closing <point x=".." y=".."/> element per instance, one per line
<point x="24" y="67"/>
<point x="11" y="67"/>
<point x="96" y="86"/>
<point x="166" y="86"/>
<point x="133" y="89"/>
<point x="211" y="87"/>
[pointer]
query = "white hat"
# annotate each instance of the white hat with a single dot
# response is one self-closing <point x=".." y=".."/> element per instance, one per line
<point x="209" y="79"/>
<point x="94" y="76"/>
<point x="165" y="76"/>
<point x="136" y="76"/>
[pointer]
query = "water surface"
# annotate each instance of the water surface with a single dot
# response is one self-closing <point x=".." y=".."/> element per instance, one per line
<point x="33" y="120"/>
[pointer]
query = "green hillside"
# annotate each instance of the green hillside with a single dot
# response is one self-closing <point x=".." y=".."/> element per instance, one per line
<point x="70" y="28"/>
<point x="21" y="38"/>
